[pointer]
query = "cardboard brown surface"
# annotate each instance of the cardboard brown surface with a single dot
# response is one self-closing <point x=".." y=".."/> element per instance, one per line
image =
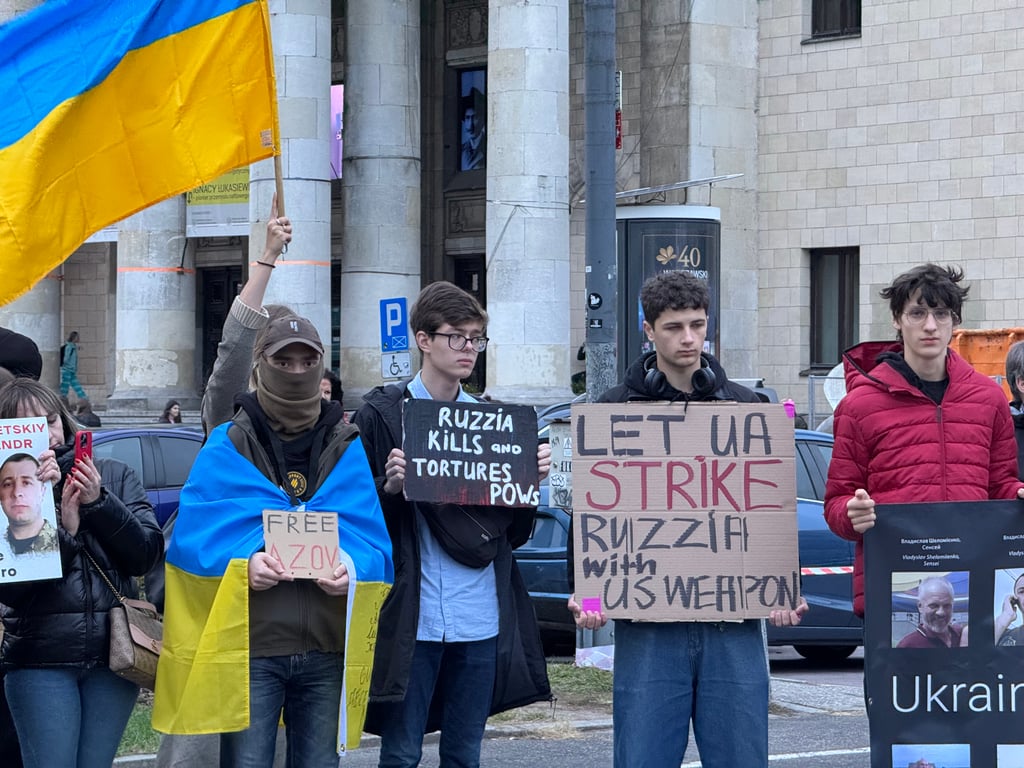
<point x="685" y="513"/>
<point x="306" y="543"/>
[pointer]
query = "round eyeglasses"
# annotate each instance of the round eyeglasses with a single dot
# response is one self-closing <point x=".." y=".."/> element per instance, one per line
<point x="458" y="342"/>
<point x="942" y="315"/>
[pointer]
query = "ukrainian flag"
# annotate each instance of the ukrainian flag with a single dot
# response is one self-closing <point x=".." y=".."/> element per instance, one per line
<point x="203" y="676"/>
<point x="111" y="106"/>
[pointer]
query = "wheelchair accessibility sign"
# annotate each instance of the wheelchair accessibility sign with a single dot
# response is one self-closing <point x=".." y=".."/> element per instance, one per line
<point x="395" y="365"/>
<point x="394" y="325"/>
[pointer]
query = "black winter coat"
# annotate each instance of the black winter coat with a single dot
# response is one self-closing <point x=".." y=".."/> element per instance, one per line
<point x="63" y="622"/>
<point x="521" y="671"/>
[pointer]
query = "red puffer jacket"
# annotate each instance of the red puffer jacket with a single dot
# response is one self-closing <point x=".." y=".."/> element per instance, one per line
<point x="893" y="441"/>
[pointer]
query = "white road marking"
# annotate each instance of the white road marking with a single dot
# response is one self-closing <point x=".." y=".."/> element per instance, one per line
<point x="802" y="755"/>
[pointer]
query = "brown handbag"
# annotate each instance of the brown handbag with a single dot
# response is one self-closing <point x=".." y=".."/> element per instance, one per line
<point x="136" y="636"/>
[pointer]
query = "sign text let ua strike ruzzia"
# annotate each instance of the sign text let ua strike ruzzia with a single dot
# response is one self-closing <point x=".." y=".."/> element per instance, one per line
<point x="685" y="513"/>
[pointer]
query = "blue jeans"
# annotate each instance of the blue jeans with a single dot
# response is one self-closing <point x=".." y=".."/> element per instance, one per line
<point x="308" y="687"/>
<point x="69" y="717"/>
<point x="669" y="674"/>
<point x="463" y="674"/>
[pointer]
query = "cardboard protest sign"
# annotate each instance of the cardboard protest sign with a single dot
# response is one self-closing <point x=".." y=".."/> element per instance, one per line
<point x="306" y="543"/>
<point x="685" y="513"/>
<point x="470" y="453"/>
<point x="29" y="542"/>
<point x="943" y="640"/>
<point x="560" y="476"/>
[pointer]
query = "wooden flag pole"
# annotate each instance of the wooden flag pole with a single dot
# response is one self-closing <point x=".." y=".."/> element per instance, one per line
<point x="279" y="180"/>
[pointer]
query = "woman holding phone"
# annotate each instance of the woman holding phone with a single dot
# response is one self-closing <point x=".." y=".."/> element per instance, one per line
<point x="68" y="707"/>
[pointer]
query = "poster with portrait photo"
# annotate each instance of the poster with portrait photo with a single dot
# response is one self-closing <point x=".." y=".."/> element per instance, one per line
<point x="933" y="567"/>
<point x="472" y="116"/>
<point x="930" y="609"/>
<point x="29" y="544"/>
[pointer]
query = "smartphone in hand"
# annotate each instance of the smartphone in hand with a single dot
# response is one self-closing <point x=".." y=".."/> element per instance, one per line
<point x="83" y="445"/>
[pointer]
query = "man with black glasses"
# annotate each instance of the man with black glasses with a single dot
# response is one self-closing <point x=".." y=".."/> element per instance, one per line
<point x="456" y="641"/>
<point x="918" y="423"/>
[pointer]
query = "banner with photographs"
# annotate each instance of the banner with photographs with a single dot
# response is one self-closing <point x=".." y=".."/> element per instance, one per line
<point x="944" y="634"/>
<point x="29" y="548"/>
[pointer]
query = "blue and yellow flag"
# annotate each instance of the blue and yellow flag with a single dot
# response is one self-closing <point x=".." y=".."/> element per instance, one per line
<point x="111" y="106"/>
<point x="203" y="677"/>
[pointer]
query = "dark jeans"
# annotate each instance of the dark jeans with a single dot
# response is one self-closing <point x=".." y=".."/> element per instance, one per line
<point x="463" y="676"/>
<point x="667" y="675"/>
<point x="308" y="687"/>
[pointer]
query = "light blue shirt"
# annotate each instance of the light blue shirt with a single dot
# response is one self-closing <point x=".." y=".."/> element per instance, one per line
<point x="458" y="604"/>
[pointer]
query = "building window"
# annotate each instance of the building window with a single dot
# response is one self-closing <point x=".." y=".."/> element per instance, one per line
<point x="835" y="18"/>
<point x="835" y="314"/>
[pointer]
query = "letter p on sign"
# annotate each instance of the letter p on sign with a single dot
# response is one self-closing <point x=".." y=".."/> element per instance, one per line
<point x="394" y="325"/>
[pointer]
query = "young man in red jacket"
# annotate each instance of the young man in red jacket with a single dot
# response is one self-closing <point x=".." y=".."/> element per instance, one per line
<point x="918" y="423"/>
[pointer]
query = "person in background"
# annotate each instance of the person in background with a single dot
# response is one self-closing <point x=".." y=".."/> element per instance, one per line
<point x="86" y="417"/>
<point x="285" y="448"/>
<point x="667" y="675"/>
<point x="917" y="423"/>
<point x="69" y="367"/>
<point x="19" y="356"/>
<point x="330" y="387"/>
<point x="171" y="414"/>
<point x="237" y="357"/>
<point x="68" y="707"/>
<point x="1015" y="381"/>
<point x="457" y="642"/>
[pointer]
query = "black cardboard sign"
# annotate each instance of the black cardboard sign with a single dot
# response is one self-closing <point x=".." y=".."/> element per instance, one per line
<point x="470" y="453"/>
<point x="685" y="514"/>
<point x="955" y="704"/>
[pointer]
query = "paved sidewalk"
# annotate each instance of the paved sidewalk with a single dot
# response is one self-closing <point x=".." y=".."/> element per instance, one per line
<point x="788" y="697"/>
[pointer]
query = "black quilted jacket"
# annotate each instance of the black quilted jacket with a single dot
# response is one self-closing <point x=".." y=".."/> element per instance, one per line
<point x="63" y="622"/>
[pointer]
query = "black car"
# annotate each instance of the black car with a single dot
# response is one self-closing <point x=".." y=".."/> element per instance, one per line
<point x="829" y="631"/>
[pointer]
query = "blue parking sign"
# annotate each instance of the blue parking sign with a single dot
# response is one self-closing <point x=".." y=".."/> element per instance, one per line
<point x="394" y="325"/>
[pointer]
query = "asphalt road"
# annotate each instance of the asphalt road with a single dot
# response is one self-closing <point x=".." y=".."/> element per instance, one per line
<point x="817" y="721"/>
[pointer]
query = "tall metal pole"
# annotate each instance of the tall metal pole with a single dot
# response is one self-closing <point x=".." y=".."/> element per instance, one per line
<point x="599" y="170"/>
<point x="601" y="255"/>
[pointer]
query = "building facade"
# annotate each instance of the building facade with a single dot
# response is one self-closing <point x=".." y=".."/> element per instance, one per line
<point x="867" y="141"/>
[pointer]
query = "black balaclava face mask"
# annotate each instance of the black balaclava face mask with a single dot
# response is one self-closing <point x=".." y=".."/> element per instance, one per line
<point x="291" y="401"/>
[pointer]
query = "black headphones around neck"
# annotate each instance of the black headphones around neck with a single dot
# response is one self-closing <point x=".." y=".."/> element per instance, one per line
<point x="703" y="382"/>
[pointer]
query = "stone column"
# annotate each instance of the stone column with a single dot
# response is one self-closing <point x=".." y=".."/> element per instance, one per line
<point x="699" y="96"/>
<point x="723" y="139"/>
<point x="380" y="178"/>
<point x="302" y="62"/>
<point x="156" y="311"/>
<point x="37" y="313"/>
<point x="527" y="201"/>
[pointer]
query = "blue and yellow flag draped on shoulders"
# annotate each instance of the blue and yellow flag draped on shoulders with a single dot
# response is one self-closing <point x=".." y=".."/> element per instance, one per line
<point x="203" y="676"/>
<point x="111" y="106"/>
